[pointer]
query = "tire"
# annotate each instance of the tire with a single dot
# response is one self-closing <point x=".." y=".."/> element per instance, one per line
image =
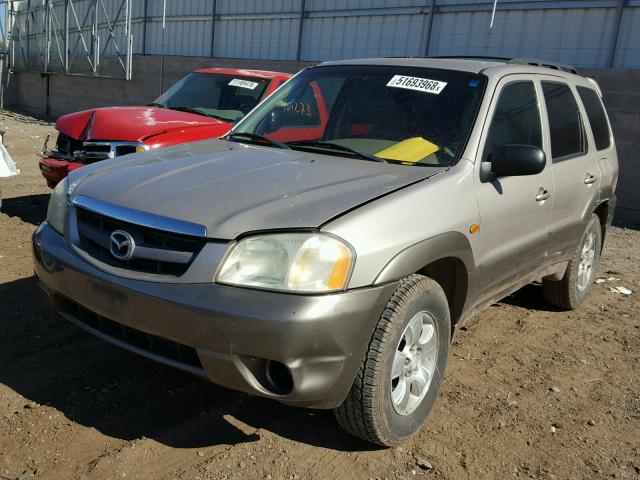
<point x="369" y="411"/>
<point x="570" y="292"/>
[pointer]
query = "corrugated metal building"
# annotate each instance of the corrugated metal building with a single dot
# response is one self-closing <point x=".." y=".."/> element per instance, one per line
<point x="586" y="33"/>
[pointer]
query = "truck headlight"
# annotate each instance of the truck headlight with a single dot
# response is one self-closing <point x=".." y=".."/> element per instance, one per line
<point x="296" y="262"/>
<point x="57" y="210"/>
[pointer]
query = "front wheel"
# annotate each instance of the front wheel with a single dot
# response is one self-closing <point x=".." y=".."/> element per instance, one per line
<point x="577" y="283"/>
<point x="400" y="376"/>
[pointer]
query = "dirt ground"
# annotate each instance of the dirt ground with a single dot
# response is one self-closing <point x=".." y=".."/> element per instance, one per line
<point x="530" y="392"/>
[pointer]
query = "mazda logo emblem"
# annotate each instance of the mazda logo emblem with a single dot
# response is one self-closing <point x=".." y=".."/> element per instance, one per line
<point x="122" y="245"/>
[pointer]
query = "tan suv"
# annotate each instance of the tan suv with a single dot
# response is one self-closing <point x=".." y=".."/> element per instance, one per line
<point x="325" y="251"/>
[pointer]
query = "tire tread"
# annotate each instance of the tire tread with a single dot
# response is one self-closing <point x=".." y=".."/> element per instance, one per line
<point x="359" y="414"/>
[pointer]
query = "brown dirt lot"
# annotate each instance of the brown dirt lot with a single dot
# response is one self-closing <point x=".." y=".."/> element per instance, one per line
<point x="530" y="391"/>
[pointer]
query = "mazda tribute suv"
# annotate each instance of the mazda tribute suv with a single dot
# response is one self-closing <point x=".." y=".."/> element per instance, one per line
<point x="325" y="251"/>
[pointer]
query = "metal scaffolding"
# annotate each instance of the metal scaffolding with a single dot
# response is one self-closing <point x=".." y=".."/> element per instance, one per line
<point x="68" y="36"/>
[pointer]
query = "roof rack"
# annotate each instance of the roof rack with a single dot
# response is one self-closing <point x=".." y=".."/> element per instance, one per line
<point x="543" y="63"/>
<point x="513" y="61"/>
<point x="472" y="57"/>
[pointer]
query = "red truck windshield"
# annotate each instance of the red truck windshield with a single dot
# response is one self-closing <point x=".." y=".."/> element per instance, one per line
<point x="405" y="115"/>
<point x="224" y="97"/>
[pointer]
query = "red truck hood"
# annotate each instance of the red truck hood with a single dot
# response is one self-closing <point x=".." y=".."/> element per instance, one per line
<point x="131" y="124"/>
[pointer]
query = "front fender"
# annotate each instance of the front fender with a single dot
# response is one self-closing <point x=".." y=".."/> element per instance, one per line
<point x="415" y="257"/>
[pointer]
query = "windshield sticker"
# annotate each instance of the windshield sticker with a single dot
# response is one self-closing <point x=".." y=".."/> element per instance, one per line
<point x="415" y="83"/>
<point x="237" y="82"/>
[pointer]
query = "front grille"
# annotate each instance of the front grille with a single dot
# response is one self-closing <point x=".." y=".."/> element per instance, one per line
<point x="146" y="342"/>
<point x="163" y="253"/>
<point x="89" y="153"/>
<point x="93" y="151"/>
<point x="125" y="149"/>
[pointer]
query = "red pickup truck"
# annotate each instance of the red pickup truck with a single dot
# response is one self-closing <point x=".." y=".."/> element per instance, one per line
<point x="204" y="104"/>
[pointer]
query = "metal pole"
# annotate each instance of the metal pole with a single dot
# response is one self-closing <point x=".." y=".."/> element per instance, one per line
<point x="493" y="13"/>
<point x="300" y="26"/>
<point x="144" y="27"/>
<point x="28" y="35"/>
<point x="66" y="36"/>
<point x="616" y="32"/>
<point x="47" y="35"/>
<point x="164" y="16"/>
<point x="128" y="72"/>
<point x="432" y="11"/>
<point x="213" y="28"/>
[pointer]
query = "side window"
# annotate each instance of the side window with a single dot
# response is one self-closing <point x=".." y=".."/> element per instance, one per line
<point x="516" y="120"/>
<point x="565" y="127"/>
<point x="597" y="117"/>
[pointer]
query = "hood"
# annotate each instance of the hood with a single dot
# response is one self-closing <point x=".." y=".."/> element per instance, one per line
<point x="232" y="188"/>
<point x="131" y="124"/>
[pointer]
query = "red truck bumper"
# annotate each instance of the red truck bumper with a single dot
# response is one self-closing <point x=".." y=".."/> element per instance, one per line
<point x="54" y="169"/>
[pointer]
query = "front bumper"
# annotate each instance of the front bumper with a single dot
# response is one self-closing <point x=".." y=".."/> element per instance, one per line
<point x="54" y="170"/>
<point x="236" y="333"/>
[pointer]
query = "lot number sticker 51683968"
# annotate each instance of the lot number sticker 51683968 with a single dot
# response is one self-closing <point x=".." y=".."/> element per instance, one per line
<point x="415" y="83"/>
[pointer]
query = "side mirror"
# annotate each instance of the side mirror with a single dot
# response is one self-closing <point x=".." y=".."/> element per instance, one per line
<point x="516" y="160"/>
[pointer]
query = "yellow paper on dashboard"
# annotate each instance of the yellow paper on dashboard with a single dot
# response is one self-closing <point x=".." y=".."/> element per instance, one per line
<point x="411" y="150"/>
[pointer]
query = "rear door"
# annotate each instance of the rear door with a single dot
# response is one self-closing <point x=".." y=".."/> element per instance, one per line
<point x="576" y="173"/>
<point x="515" y="210"/>
<point x="602" y="139"/>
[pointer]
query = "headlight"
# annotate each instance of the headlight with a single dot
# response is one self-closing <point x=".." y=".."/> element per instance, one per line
<point x="298" y="262"/>
<point x="57" y="210"/>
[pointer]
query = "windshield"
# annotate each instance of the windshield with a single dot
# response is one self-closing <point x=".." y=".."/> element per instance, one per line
<point x="404" y="115"/>
<point x="225" y="97"/>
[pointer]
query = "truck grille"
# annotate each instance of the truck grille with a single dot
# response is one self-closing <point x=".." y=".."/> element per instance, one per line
<point x="139" y="340"/>
<point x="89" y="152"/>
<point x="156" y="251"/>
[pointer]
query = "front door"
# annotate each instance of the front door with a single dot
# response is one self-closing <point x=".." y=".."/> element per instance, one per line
<point x="515" y="210"/>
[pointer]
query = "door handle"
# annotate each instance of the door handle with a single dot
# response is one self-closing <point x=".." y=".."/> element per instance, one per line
<point x="589" y="179"/>
<point x="542" y="195"/>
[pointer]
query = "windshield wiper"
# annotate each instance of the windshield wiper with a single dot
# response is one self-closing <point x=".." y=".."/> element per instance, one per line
<point x="257" y="138"/>
<point x="337" y="148"/>
<point x="154" y="104"/>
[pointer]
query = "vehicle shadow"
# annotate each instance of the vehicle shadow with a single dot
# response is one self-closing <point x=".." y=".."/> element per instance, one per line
<point x="29" y="208"/>
<point x="530" y="297"/>
<point x="51" y="362"/>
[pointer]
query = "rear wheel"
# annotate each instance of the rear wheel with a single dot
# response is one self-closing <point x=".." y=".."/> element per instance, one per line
<point x="577" y="283"/>
<point x="401" y="373"/>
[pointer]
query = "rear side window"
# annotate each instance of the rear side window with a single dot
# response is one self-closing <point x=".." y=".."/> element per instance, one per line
<point x="516" y="120"/>
<point x="597" y="117"/>
<point x="565" y="127"/>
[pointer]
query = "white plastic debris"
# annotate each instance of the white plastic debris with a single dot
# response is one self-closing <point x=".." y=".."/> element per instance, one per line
<point x="624" y="291"/>
<point x="600" y="280"/>
<point x="7" y="165"/>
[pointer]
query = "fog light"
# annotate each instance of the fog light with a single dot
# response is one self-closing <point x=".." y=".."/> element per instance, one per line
<point x="279" y="377"/>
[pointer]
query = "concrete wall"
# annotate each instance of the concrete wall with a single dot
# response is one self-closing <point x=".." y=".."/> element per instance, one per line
<point x="28" y="92"/>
